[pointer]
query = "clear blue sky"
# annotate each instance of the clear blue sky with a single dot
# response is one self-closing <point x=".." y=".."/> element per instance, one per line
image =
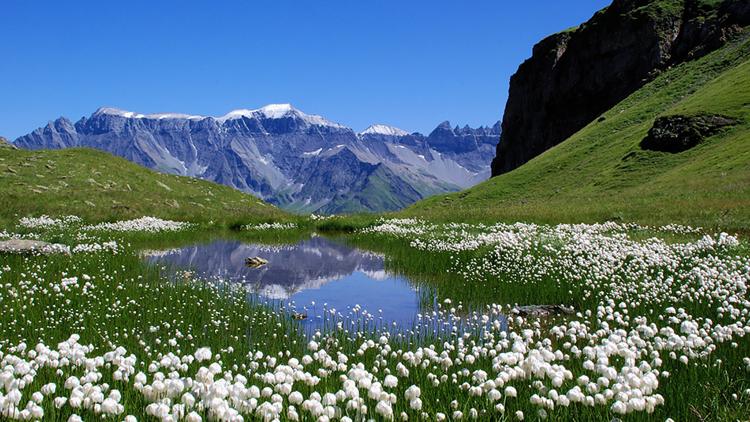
<point x="411" y="64"/>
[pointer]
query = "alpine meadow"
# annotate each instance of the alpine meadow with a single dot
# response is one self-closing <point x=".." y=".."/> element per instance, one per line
<point x="574" y="246"/>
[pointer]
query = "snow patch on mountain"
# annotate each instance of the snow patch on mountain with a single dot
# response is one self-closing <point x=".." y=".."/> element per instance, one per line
<point x="270" y="111"/>
<point x="384" y="130"/>
<point x="278" y="111"/>
<point x="312" y="153"/>
<point x="156" y="116"/>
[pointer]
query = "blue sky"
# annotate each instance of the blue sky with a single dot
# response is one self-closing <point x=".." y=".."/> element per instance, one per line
<point x="410" y="64"/>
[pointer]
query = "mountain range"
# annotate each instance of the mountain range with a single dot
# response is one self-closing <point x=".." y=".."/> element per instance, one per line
<point x="298" y="161"/>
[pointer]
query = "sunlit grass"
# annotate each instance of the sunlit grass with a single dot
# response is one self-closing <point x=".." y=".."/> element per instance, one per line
<point x="118" y="300"/>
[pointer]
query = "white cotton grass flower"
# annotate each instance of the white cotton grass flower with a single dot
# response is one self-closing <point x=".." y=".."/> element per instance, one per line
<point x="270" y="226"/>
<point x="143" y="224"/>
<point x="109" y="247"/>
<point x="45" y="222"/>
<point x="390" y="381"/>
<point x="639" y="325"/>
<point x="203" y="354"/>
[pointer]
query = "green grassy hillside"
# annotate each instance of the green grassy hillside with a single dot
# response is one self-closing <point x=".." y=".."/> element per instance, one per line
<point x="601" y="172"/>
<point x="4" y="143"/>
<point x="98" y="186"/>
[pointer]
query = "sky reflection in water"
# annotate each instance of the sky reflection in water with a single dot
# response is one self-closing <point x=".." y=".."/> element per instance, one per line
<point x="317" y="270"/>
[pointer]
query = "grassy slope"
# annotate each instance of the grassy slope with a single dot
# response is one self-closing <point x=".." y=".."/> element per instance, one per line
<point x="601" y="173"/>
<point x="98" y="186"/>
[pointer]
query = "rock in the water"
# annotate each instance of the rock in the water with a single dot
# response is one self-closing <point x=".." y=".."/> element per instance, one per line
<point x="542" y="311"/>
<point x="298" y="316"/>
<point x="679" y="133"/>
<point x="255" y="262"/>
<point x="25" y="246"/>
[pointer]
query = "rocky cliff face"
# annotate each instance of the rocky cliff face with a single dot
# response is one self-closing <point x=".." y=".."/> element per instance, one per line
<point x="298" y="161"/>
<point x="574" y="76"/>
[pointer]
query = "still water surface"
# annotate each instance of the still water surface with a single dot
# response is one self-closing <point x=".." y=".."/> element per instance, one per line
<point x="312" y="275"/>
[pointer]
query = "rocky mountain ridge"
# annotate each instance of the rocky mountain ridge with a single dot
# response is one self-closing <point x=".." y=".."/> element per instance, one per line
<point x="298" y="161"/>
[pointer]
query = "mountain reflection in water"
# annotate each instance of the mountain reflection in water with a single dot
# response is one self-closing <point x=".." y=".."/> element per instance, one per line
<point x="315" y="271"/>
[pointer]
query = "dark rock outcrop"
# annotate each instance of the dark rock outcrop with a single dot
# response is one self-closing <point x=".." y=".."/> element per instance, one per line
<point x="574" y="76"/>
<point x="679" y="133"/>
<point x="542" y="311"/>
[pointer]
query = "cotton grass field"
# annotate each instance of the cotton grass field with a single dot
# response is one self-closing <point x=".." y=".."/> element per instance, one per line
<point x="658" y="328"/>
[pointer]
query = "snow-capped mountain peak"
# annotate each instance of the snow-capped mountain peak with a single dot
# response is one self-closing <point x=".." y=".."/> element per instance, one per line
<point x="384" y="130"/>
<point x="275" y="111"/>
<point x="111" y="111"/>
<point x="270" y="111"/>
<point x="278" y="111"/>
<point x="236" y="114"/>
